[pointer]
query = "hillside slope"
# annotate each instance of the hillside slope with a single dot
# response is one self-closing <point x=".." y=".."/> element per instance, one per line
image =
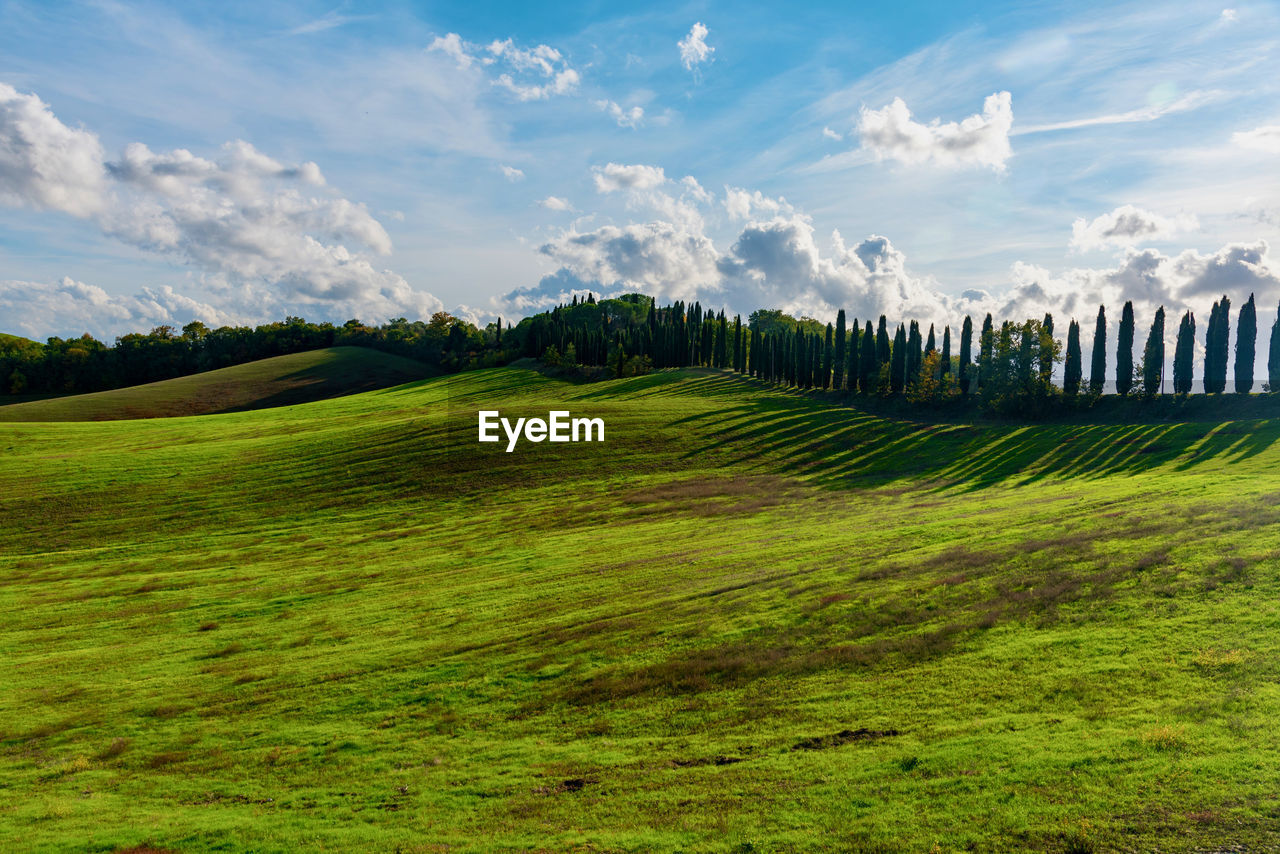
<point x="278" y="381"/>
<point x="746" y="621"/>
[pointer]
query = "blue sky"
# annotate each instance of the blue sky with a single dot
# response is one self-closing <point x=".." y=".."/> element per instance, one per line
<point x="240" y="162"/>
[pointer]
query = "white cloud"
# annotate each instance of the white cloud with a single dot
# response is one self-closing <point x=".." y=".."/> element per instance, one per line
<point x="555" y="203"/>
<point x="694" y="189"/>
<point x="625" y="118"/>
<point x="1126" y="226"/>
<point x="69" y="308"/>
<point x="512" y="174"/>
<point x="43" y="163"/>
<point x="694" y="49"/>
<point x="979" y="140"/>
<point x="1229" y="16"/>
<point x="1265" y="138"/>
<point x="270" y="233"/>
<point x="534" y="74"/>
<point x="452" y="45"/>
<point x="744" y="204"/>
<point x="830" y="134"/>
<point x="616" y="176"/>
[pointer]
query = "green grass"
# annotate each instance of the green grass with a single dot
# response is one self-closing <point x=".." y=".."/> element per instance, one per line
<point x="277" y="381"/>
<point x="16" y="342"/>
<point x="748" y="621"/>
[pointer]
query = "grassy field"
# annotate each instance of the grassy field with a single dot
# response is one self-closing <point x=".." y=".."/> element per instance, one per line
<point x="278" y="381"/>
<point x="748" y="621"/>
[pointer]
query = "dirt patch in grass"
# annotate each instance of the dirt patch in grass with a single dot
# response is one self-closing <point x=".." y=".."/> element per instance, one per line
<point x="843" y="737"/>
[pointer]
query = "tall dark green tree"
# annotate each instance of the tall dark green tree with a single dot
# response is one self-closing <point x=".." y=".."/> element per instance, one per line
<point x="944" y="364"/>
<point x="838" y="359"/>
<point x="828" y="355"/>
<point x="1046" y="351"/>
<point x="1184" y="354"/>
<point x="930" y="344"/>
<point x="986" y="345"/>
<point x="1273" y="356"/>
<point x="898" y="360"/>
<point x="1246" y="346"/>
<point x="868" y="362"/>
<point x="854" y="355"/>
<point x="739" y="346"/>
<point x="915" y="356"/>
<point x="1153" y="356"/>
<point x="1098" y="364"/>
<point x="1217" y="342"/>
<point x="1071" y="369"/>
<point x="883" y="351"/>
<point x="966" y="353"/>
<point x="1124" y="351"/>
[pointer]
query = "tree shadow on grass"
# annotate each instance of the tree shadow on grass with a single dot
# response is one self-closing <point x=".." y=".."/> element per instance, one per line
<point x="844" y="448"/>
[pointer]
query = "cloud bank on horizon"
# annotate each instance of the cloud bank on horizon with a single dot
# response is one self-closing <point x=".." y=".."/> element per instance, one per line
<point x="1014" y="165"/>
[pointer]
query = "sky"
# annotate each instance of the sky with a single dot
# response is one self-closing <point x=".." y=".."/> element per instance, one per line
<point x="241" y="162"/>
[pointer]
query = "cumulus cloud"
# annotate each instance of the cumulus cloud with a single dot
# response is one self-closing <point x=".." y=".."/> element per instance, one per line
<point x="532" y="74"/>
<point x="616" y="176"/>
<point x="744" y="204"/>
<point x="43" y="163"/>
<point x="1265" y="139"/>
<point x="269" y="232"/>
<point x="979" y="140"/>
<point x="694" y="49"/>
<point x="555" y="203"/>
<point x="69" y="308"/>
<point x="512" y="174"/>
<point x="625" y="118"/>
<point x="776" y="259"/>
<point x="828" y="133"/>
<point x="1126" y="226"/>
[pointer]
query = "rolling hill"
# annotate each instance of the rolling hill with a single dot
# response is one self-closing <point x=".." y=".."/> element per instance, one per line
<point x="746" y="621"/>
<point x="278" y="381"/>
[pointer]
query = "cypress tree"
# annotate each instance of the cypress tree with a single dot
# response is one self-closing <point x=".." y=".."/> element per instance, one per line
<point x="1071" y="369"/>
<point x="828" y="354"/>
<point x="966" y="353"/>
<point x="1098" y="365"/>
<point x="898" y="360"/>
<point x="739" y="346"/>
<point x="1210" y="348"/>
<point x="986" y="343"/>
<point x="854" y="356"/>
<point x="914" y="356"/>
<point x="1153" y="356"/>
<point x="1246" y="345"/>
<point x="930" y="345"/>
<point x="1028" y="354"/>
<point x="883" y="351"/>
<point x="1184" y="354"/>
<point x="1273" y="356"/>
<point x="838" y="358"/>
<point x="1124" y="351"/>
<point x="1046" y="349"/>
<point x="868" y="364"/>
<point x="1216" y="347"/>
<point x="944" y="364"/>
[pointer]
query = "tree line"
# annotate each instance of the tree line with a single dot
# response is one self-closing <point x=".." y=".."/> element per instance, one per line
<point x="1009" y="368"/>
<point x="84" y="364"/>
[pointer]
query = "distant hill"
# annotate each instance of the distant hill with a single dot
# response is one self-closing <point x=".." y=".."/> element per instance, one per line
<point x="278" y="381"/>
<point x="16" y="342"/>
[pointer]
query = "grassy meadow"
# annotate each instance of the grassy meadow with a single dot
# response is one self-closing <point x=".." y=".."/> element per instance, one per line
<point x="748" y="621"/>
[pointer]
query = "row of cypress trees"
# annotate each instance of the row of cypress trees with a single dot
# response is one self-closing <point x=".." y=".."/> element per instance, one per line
<point x="865" y="358"/>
